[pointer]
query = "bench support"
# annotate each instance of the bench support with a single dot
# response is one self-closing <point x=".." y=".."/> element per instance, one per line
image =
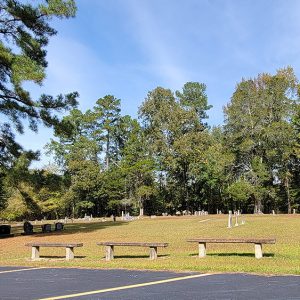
<point x="153" y="253"/>
<point x="109" y="252"/>
<point x="258" y="251"/>
<point x="202" y="249"/>
<point x="35" y="252"/>
<point x="69" y="253"/>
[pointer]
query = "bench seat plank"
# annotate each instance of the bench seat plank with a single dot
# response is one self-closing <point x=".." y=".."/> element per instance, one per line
<point x="235" y="240"/>
<point x="54" y="245"/>
<point x="137" y="244"/>
<point x="109" y="248"/>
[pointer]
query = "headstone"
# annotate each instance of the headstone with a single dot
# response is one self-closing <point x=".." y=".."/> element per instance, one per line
<point x="229" y="219"/>
<point x="236" y="219"/>
<point x="273" y="212"/>
<point x="46" y="228"/>
<point x="28" y="228"/>
<point x="59" y="226"/>
<point x="5" y="231"/>
<point x="294" y="211"/>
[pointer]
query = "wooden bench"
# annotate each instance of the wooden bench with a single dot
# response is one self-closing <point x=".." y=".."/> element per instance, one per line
<point x="109" y="253"/>
<point x="35" y="250"/>
<point x="257" y="243"/>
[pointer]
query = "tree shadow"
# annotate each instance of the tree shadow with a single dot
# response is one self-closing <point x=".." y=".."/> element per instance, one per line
<point x="240" y="254"/>
<point x="234" y="254"/>
<point x="69" y="228"/>
<point x="140" y="256"/>
<point x="62" y="257"/>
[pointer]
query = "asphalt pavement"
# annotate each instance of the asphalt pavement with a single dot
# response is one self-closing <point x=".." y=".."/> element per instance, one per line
<point x="61" y="283"/>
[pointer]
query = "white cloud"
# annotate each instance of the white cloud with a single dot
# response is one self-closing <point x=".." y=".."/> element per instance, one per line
<point x="158" y="51"/>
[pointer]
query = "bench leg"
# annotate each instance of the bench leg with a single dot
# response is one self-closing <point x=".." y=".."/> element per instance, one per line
<point x="202" y="249"/>
<point x="258" y="251"/>
<point x="153" y="253"/>
<point x="109" y="253"/>
<point x="69" y="253"/>
<point x="35" y="252"/>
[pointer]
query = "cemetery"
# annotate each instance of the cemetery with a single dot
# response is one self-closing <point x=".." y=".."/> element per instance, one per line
<point x="142" y="136"/>
<point x="227" y="243"/>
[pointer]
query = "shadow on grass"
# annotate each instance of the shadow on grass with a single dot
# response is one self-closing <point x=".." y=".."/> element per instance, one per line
<point x="140" y="256"/>
<point x="63" y="257"/>
<point x="69" y="228"/>
<point x="234" y="254"/>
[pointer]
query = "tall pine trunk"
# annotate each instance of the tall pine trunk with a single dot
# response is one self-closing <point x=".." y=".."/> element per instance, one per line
<point x="287" y="189"/>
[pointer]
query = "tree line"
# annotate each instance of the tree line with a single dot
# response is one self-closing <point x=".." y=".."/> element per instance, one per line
<point x="167" y="160"/>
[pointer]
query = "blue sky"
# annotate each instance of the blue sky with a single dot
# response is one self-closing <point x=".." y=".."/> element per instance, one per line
<point x="129" y="47"/>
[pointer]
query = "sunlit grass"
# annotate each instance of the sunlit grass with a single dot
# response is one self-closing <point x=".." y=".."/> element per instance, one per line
<point x="281" y="258"/>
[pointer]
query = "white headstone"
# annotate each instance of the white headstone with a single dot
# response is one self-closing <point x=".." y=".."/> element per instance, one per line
<point x="236" y="219"/>
<point x="229" y="219"/>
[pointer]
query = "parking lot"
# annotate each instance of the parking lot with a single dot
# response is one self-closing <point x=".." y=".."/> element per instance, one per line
<point x="71" y="283"/>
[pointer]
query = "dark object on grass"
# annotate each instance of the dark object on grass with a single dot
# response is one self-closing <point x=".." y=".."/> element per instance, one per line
<point x="28" y="228"/>
<point x="59" y="226"/>
<point x="46" y="228"/>
<point x="5" y="231"/>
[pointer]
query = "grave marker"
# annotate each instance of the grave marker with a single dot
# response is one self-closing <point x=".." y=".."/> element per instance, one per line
<point x="229" y="219"/>
<point x="28" y="228"/>
<point x="5" y="231"/>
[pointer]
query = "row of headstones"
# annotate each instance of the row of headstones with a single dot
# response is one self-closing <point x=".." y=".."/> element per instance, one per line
<point x="294" y="212"/>
<point x="188" y="213"/>
<point x="200" y="213"/>
<point x="5" y="230"/>
<point x="236" y="215"/>
<point x="28" y="228"/>
<point x="126" y="216"/>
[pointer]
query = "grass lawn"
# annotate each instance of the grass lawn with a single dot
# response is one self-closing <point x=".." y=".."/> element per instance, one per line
<point x="281" y="258"/>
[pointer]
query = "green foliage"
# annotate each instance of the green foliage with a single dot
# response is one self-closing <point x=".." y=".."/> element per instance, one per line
<point x="175" y="132"/>
<point x="171" y="161"/>
<point x="259" y="131"/>
<point x="240" y="191"/>
<point x="25" y="31"/>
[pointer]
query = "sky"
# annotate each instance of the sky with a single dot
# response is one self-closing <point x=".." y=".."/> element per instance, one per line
<point x="127" y="48"/>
